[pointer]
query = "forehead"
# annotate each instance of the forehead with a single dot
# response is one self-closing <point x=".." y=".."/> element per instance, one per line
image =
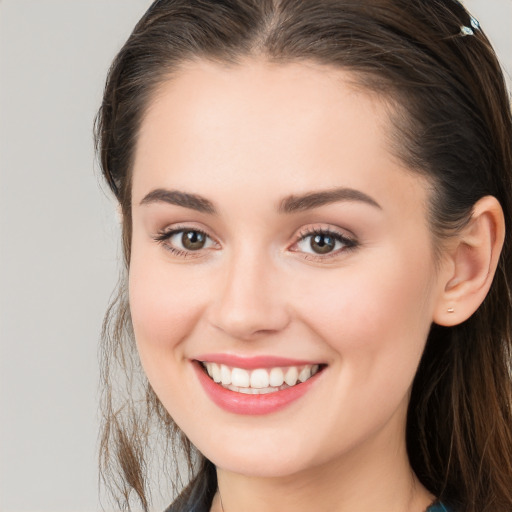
<point x="300" y="126"/>
<point x="258" y="94"/>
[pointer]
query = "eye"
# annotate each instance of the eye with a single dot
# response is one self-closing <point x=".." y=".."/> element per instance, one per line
<point x="320" y="242"/>
<point x="191" y="240"/>
<point x="185" y="241"/>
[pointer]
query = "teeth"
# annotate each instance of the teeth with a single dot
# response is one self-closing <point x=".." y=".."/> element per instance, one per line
<point x="276" y="377"/>
<point x="252" y="391"/>
<point x="305" y="374"/>
<point x="240" y="378"/>
<point x="291" y="376"/>
<point x="261" y="380"/>
<point x="225" y="375"/>
<point x="215" y="372"/>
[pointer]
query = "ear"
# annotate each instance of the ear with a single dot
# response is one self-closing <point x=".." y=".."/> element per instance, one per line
<point x="471" y="263"/>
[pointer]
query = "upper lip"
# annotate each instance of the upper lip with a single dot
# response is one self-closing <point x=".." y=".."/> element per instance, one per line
<point x="253" y="362"/>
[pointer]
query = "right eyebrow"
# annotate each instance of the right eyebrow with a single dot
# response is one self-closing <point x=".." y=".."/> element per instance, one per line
<point x="320" y="198"/>
<point x="184" y="199"/>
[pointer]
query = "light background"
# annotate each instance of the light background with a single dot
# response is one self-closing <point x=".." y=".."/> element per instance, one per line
<point x="59" y="239"/>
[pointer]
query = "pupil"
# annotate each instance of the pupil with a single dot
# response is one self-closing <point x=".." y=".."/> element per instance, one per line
<point x="322" y="244"/>
<point x="193" y="240"/>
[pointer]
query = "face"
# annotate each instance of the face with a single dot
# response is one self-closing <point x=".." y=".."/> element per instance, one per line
<point x="280" y="247"/>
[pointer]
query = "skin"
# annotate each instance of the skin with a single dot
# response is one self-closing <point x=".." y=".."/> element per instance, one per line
<point x="245" y="138"/>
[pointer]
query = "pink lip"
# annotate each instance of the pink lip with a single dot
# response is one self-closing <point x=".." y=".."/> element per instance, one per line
<point x="251" y="363"/>
<point x="251" y="405"/>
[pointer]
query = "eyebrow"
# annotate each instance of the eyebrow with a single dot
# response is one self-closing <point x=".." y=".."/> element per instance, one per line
<point x="312" y="200"/>
<point x="289" y="204"/>
<point x="184" y="199"/>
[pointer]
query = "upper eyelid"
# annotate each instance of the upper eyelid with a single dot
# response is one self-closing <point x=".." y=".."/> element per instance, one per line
<point x="350" y="241"/>
<point x="163" y="238"/>
<point x="298" y="235"/>
<point x="177" y="228"/>
<point x="309" y="231"/>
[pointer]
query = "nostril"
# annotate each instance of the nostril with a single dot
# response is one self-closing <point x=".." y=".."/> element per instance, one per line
<point x="249" y="324"/>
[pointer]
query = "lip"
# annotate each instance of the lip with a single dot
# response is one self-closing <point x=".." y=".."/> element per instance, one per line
<point x="252" y="405"/>
<point x="253" y="363"/>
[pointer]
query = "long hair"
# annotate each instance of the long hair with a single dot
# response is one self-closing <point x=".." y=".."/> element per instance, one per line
<point x="451" y="123"/>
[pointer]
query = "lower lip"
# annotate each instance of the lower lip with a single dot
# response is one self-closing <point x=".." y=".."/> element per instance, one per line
<point x="252" y="405"/>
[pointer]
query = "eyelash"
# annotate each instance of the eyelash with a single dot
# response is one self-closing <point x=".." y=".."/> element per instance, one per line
<point x="164" y="236"/>
<point x="348" y="243"/>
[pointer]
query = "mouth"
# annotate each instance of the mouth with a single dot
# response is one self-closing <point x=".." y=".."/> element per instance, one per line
<point x="259" y="381"/>
<point x="257" y="385"/>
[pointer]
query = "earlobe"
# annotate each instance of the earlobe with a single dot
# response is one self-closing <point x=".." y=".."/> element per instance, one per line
<point x="472" y="263"/>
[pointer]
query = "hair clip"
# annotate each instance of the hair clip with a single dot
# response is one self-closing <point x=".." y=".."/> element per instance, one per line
<point x="470" y="31"/>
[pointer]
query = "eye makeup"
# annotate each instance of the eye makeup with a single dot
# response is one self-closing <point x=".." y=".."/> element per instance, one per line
<point x="320" y="243"/>
<point x="185" y="241"/>
<point x="315" y="243"/>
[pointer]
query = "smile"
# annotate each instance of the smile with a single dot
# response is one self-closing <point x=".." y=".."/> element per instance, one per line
<point x="255" y="386"/>
<point x="259" y="381"/>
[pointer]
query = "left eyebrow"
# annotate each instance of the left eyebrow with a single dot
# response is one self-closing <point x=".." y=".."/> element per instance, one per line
<point x="312" y="200"/>
<point x="183" y="199"/>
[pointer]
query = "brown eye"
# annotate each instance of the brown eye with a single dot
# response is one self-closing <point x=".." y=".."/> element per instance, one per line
<point x="193" y="240"/>
<point x="186" y="242"/>
<point x="322" y="243"/>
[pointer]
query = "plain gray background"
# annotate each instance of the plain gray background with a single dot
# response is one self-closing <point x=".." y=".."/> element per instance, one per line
<point x="59" y="239"/>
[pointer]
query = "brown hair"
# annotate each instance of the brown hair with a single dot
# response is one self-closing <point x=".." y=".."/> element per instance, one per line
<point x="452" y="124"/>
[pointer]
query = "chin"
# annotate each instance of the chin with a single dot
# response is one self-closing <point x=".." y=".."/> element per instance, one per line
<point x="269" y="454"/>
<point x="260" y="465"/>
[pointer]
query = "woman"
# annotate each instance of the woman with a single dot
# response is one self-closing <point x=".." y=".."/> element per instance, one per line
<point x="314" y="199"/>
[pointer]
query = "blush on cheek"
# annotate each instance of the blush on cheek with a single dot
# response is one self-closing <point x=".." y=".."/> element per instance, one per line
<point x="153" y="309"/>
<point x="157" y="319"/>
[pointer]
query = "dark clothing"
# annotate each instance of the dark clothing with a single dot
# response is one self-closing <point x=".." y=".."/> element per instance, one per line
<point x="438" y="507"/>
<point x="198" y="495"/>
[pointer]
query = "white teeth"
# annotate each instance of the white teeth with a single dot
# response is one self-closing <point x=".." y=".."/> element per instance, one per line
<point x="240" y="378"/>
<point x="214" y="372"/>
<point x="291" y="376"/>
<point x="261" y="380"/>
<point x="252" y="391"/>
<point x="225" y="375"/>
<point x="305" y="373"/>
<point x="276" y="377"/>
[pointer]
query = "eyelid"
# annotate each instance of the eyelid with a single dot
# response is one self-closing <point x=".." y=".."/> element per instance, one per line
<point x="349" y="241"/>
<point x="163" y="236"/>
<point x="168" y="231"/>
<point x="325" y="229"/>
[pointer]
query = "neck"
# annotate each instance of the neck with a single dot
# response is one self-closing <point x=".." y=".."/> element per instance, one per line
<point x="377" y="476"/>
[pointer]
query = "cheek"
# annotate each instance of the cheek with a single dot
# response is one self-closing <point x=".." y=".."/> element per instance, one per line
<point x="156" y="316"/>
<point x="376" y="317"/>
<point x="164" y="308"/>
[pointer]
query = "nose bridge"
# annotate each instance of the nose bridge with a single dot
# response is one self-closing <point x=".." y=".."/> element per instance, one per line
<point x="250" y="300"/>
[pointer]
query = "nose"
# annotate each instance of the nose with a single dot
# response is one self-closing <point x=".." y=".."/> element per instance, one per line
<point x="250" y="301"/>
